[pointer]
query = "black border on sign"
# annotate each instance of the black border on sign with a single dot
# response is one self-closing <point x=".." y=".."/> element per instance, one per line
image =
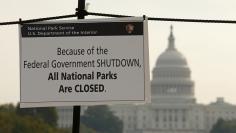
<point x="112" y="29"/>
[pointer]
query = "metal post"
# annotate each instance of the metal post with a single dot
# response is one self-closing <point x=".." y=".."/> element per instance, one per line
<point x="76" y="119"/>
<point x="81" y="7"/>
<point x="77" y="109"/>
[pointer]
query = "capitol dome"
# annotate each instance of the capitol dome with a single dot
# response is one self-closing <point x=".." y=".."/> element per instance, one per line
<point x="172" y="76"/>
<point x="171" y="58"/>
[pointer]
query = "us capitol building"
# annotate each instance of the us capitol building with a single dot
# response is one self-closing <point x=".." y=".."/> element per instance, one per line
<point x="173" y="108"/>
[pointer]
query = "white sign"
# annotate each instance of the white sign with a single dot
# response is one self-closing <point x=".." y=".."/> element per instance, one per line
<point x="84" y="62"/>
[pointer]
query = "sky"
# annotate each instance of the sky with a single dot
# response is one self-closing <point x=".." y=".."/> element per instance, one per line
<point x="210" y="49"/>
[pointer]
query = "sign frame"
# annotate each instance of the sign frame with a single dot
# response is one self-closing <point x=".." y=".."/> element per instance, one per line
<point x="146" y="72"/>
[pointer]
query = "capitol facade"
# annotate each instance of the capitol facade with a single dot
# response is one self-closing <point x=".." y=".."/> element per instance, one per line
<point x="173" y="108"/>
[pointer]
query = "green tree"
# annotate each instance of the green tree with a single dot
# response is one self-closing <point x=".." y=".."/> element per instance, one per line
<point x="47" y="114"/>
<point x="6" y="118"/>
<point x="6" y="122"/>
<point x="28" y="124"/>
<point x="10" y="122"/>
<point x="223" y="126"/>
<point x="101" y="119"/>
<point x="7" y="108"/>
<point x="85" y="129"/>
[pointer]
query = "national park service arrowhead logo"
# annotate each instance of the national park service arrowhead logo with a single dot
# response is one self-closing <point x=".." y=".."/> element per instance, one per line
<point x="129" y="28"/>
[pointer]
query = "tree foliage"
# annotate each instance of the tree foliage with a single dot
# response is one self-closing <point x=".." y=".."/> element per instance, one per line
<point x="31" y="120"/>
<point x="101" y="119"/>
<point x="223" y="126"/>
<point x="85" y="129"/>
<point x="11" y="122"/>
<point x="47" y="114"/>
